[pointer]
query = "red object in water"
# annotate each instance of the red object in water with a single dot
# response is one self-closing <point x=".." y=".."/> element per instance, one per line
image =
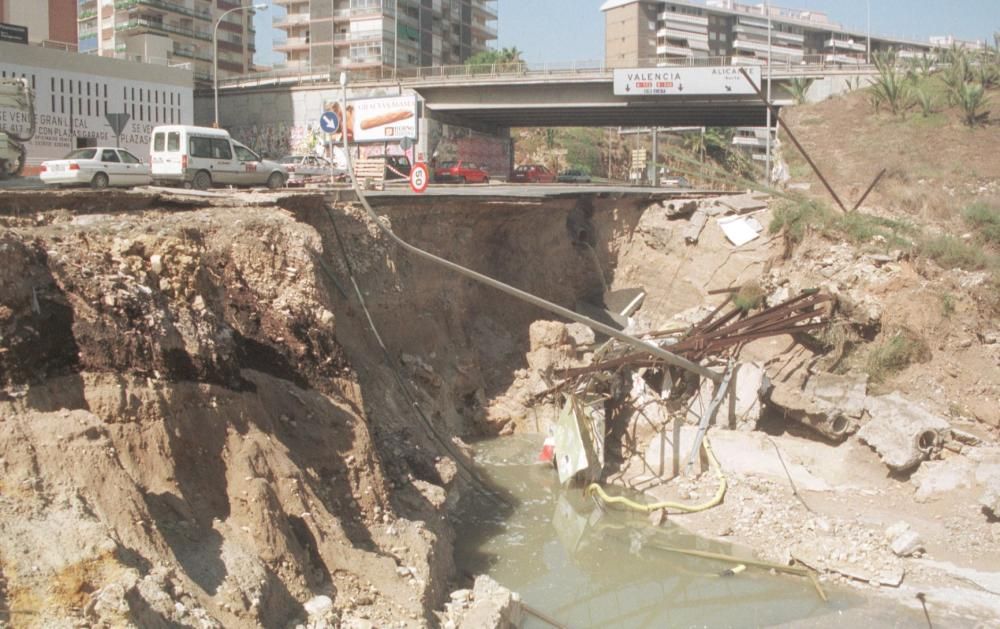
<point x="548" y="450"/>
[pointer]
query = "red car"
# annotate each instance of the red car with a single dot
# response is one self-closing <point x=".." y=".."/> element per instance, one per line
<point x="532" y="173"/>
<point x="460" y="172"/>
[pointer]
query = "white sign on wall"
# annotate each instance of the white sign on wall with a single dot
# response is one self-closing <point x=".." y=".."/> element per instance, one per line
<point x="722" y="80"/>
<point x="70" y="110"/>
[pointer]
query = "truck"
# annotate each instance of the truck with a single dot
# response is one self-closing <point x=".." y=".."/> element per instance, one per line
<point x="17" y="95"/>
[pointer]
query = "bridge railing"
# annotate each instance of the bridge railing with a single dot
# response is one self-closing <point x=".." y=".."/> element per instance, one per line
<point x="806" y="65"/>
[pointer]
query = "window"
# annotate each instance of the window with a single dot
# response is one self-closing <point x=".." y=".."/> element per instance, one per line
<point x="108" y="155"/>
<point x="128" y="158"/>
<point x="246" y="155"/>
<point x="221" y="149"/>
<point x="82" y="154"/>
<point x="173" y="141"/>
<point x="200" y="147"/>
<point x="158" y="142"/>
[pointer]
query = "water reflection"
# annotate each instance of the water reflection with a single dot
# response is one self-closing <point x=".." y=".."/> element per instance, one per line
<point x="590" y="568"/>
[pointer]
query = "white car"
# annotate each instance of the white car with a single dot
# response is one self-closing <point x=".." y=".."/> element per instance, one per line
<point x="98" y="167"/>
<point x="301" y="167"/>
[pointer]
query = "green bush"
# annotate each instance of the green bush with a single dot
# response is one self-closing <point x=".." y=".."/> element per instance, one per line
<point x="985" y="219"/>
<point x="951" y="252"/>
<point x="894" y="353"/>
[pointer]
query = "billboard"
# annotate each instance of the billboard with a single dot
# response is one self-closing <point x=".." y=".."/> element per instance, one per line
<point x="13" y="33"/>
<point x="722" y="80"/>
<point x="384" y="119"/>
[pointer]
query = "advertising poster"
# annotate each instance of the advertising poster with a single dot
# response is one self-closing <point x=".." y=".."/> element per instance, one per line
<point x="384" y="119"/>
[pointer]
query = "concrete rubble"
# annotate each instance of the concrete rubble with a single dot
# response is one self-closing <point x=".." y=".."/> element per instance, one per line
<point x="830" y="404"/>
<point x="488" y="605"/>
<point x="902" y="432"/>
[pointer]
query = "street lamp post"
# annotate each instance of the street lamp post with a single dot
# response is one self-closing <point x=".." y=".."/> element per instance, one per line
<point x="215" y="52"/>
<point x="767" y="154"/>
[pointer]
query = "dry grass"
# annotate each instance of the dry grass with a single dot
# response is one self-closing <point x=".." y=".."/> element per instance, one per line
<point x="894" y="352"/>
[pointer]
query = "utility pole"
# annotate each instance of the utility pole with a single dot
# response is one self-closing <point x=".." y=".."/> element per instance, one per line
<point x="767" y="156"/>
<point x="868" y="45"/>
<point x="656" y="153"/>
<point x="395" y="37"/>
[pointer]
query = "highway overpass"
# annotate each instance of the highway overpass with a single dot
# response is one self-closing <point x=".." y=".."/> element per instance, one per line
<point x="491" y="98"/>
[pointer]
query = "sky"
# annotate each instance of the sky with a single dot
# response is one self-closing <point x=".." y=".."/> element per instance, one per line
<point x="561" y="31"/>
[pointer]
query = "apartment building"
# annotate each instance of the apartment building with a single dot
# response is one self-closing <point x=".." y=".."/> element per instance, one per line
<point x="371" y="35"/>
<point x="170" y="32"/>
<point x="648" y="32"/>
<point x="50" y="23"/>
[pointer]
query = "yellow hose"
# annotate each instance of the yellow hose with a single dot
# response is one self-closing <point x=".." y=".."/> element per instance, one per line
<point x="596" y="489"/>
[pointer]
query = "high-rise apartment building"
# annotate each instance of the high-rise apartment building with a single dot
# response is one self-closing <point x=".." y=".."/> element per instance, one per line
<point x="171" y="32"/>
<point x="51" y="23"/>
<point x="368" y="35"/>
<point x="647" y="32"/>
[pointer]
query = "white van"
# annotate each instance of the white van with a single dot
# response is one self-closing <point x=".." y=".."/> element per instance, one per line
<point x="201" y="157"/>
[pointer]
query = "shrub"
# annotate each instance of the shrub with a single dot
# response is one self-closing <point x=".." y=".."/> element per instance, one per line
<point x="891" y="87"/>
<point x="951" y="252"/>
<point x="985" y="219"/>
<point x="749" y="297"/>
<point x="894" y="353"/>
<point x="971" y="97"/>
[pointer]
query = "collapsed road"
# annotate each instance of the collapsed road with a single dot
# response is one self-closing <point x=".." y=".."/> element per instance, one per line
<point x="195" y="405"/>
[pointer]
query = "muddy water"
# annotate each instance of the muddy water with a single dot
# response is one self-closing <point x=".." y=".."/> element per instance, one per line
<point x="592" y="568"/>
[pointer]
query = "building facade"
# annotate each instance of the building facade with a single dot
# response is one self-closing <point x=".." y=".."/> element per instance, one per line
<point x="74" y="93"/>
<point x="170" y="32"/>
<point x="651" y="32"/>
<point x="376" y="35"/>
<point x="50" y="23"/>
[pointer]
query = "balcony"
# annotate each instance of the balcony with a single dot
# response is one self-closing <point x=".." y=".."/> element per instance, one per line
<point x="346" y="15"/>
<point x="291" y="20"/>
<point x="142" y="24"/>
<point x="762" y="47"/>
<point x="343" y="39"/>
<point x="683" y="18"/>
<point x="755" y="32"/>
<point x="674" y="34"/>
<point x="291" y="44"/>
<point x="163" y="5"/>
<point x="485" y="6"/>
<point x="845" y="45"/>
<point x="673" y="51"/>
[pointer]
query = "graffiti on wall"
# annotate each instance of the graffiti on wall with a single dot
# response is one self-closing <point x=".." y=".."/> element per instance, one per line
<point x="279" y="139"/>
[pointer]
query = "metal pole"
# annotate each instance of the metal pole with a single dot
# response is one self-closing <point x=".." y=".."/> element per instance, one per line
<point x="656" y="152"/>
<point x="868" y="46"/>
<point x="767" y="156"/>
<point x="395" y="37"/>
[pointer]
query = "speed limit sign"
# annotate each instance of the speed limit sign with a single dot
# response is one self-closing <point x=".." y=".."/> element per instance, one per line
<point x="419" y="178"/>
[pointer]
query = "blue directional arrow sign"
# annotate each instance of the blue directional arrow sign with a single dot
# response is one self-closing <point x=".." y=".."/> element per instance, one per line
<point x="329" y="122"/>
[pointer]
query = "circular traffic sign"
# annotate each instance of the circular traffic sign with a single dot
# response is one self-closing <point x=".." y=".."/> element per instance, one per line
<point x="419" y="178"/>
<point x="329" y="122"/>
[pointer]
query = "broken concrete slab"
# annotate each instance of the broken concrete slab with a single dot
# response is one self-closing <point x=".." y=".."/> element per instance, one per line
<point x="902" y="432"/>
<point x="937" y="478"/>
<point x="741" y="453"/>
<point x="695" y="226"/>
<point x="492" y="607"/>
<point x="990" y="498"/>
<point x="828" y="403"/>
<point x="743" y="203"/>
<point x="750" y="384"/>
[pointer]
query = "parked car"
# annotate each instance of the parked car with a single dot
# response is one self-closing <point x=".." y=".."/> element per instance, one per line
<point x="573" y="175"/>
<point x="98" y="167"/>
<point x="460" y="172"/>
<point x="674" y="181"/>
<point x="201" y="157"/>
<point x="301" y="167"/>
<point x="532" y="173"/>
